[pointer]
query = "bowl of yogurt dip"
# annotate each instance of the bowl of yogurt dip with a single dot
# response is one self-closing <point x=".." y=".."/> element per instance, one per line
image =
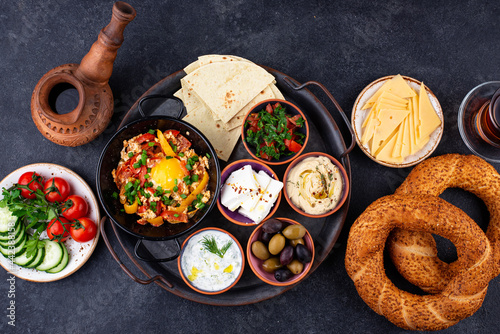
<point x="211" y="261"/>
<point x="316" y="185"/>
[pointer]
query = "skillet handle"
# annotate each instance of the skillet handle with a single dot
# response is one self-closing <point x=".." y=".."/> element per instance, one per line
<point x="159" y="278"/>
<point x="294" y="86"/>
<point x="153" y="259"/>
<point x="160" y="96"/>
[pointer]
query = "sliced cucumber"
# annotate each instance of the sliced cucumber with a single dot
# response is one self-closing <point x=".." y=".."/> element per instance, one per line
<point x="6" y="220"/>
<point x="40" y="254"/>
<point x="18" y="238"/>
<point x="14" y="250"/>
<point x="24" y="260"/>
<point x="64" y="261"/>
<point x="6" y="237"/>
<point x="53" y="255"/>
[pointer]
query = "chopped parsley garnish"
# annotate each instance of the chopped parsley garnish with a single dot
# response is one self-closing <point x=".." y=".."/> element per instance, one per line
<point x="167" y="201"/>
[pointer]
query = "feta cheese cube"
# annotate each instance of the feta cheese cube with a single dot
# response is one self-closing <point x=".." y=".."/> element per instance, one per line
<point x="265" y="203"/>
<point x="238" y="188"/>
<point x="263" y="181"/>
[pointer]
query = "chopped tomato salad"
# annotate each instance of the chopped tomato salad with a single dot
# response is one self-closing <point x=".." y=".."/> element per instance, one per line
<point x="274" y="133"/>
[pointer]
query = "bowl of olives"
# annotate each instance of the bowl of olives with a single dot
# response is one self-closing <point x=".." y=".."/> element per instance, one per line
<point x="280" y="251"/>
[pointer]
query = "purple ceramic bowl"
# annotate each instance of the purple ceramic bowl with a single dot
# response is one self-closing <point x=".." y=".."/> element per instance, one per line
<point x="257" y="166"/>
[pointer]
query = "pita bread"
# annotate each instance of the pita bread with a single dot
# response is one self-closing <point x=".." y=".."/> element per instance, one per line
<point x="215" y="74"/>
<point x="222" y="140"/>
<point x="237" y="120"/>
<point x="226" y="87"/>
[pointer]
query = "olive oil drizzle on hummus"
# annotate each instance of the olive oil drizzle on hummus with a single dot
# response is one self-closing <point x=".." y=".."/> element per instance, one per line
<point x="315" y="185"/>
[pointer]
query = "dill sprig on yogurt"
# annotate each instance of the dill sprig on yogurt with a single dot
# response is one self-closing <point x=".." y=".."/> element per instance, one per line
<point x="210" y="245"/>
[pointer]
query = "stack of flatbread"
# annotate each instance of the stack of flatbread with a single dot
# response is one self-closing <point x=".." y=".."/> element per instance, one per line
<point x="218" y="91"/>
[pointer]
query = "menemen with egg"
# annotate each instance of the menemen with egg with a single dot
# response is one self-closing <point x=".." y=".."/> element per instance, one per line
<point x="161" y="178"/>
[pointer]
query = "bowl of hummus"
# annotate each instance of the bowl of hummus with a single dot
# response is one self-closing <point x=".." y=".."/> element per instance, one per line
<point x="316" y="185"/>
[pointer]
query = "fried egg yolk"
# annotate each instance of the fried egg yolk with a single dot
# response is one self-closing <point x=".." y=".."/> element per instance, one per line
<point x="166" y="172"/>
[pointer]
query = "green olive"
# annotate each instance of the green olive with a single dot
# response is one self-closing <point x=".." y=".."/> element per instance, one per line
<point x="293" y="232"/>
<point x="271" y="264"/>
<point x="260" y="250"/>
<point x="276" y="244"/>
<point x="295" y="266"/>
<point x="295" y="242"/>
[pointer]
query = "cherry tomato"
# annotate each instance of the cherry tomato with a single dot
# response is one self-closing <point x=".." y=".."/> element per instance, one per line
<point x="83" y="229"/>
<point x="58" y="229"/>
<point x="33" y="181"/>
<point x="56" y="189"/>
<point x="74" y="207"/>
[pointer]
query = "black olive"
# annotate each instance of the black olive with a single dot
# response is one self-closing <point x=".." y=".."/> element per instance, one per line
<point x="286" y="255"/>
<point x="272" y="226"/>
<point x="266" y="237"/>
<point x="282" y="274"/>
<point x="303" y="254"/>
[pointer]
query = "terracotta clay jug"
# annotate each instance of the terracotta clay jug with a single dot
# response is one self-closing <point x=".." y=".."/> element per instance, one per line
<point x="90" y="78"/>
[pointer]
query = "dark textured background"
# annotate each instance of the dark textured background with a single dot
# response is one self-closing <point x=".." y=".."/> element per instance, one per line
<point x="452" y="46"/>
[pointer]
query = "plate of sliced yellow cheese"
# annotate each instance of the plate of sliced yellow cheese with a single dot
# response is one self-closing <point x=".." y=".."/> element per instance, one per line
<point x="398" y="121"/>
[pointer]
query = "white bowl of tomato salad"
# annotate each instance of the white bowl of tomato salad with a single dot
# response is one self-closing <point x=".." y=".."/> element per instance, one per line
<point x="275" y="132"/>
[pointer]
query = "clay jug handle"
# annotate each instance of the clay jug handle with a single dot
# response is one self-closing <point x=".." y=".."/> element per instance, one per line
<point x="97" y="65"/>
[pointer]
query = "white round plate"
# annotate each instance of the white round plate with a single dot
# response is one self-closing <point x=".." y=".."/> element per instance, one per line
<point x="79" y="253"/>
<point x="358" y="116"/>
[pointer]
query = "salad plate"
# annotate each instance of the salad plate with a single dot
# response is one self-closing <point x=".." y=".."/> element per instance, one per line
<point x="79" y="253"/>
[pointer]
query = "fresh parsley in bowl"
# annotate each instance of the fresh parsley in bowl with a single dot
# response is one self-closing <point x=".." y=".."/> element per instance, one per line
<point x="275" y="132"/>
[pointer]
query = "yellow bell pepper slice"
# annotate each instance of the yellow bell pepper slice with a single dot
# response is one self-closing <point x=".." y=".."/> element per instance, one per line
<point x="131" y="208"/>
<point x="165" y="145"/>
<point x="157" y="221"/>
<point x="188" y="200"/>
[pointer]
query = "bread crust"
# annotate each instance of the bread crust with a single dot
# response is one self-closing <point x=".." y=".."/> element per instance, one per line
<point x="464" y="292"/>
<point x="414" y="253"/>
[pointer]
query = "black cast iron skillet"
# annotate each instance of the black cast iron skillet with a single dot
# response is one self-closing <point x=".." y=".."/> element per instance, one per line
<point x="108" y="161"/>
